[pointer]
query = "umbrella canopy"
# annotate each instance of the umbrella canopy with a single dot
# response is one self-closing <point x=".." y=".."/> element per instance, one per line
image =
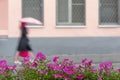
<point x="30" y="20"/>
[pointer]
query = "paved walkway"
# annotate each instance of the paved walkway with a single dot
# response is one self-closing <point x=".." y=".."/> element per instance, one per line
<point x="77" y="58"/>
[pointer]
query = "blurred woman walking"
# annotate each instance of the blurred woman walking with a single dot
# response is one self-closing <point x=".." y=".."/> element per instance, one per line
<point x="24" y="49"/>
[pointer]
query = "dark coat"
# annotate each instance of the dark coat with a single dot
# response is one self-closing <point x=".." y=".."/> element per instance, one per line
<point x="23" y="44"/>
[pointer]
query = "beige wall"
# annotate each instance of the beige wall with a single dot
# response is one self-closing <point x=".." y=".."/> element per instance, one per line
<point x="3" y="17"/>
<point x="49" y="29"/>
<point x="3" y="14"/>
<point x="14" y="16"/>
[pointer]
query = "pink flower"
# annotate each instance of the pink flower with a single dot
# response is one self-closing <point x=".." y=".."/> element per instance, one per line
<point x="1" y="72"/>
<point x="99" y="78"/>
<point x="42" y="72"/>
<point x="57" y="67"/>
<point x="71" y="62"/>
<point x="55" y="59"/>
<point x="80" y="77"/>
<point x="84" y="60"/>
<point x="67" y="78"/>
<point x="50" y="66"/>
<point x="117" y="70"/>
<point x="26" y="60"/>
<point x="69" y="70"/>
<point x="89" y="62"/>
<point x="41" y="56"/>
<point x="95" y="70"/>
<point x="3" y="64"/>
<point x="58" y="75"/>
<point x="105" y="65"/>
<point x="65" y="60"/>
<point x="34" y="65"/>
<point x="12" y="67"/>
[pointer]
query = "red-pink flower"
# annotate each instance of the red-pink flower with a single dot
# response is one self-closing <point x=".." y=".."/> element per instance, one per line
<point x="55" y="59"/>
<point x="3" y="64"/>
<point x="84" y="60"/>
<point x="26" y="60"/>
<point x="105" y="64"/>
<point x="95" y="70"/>
<point x="65" y="60"/>
<point x="12" y="67"/>
<point x="67" y="78"/>
<point x="42" y="72"/>
<point x="41" y="56"/>
<point x="34" y="65"/>
<point x="117" y="70"/>
<point x="1" y="72"/>
<point x="50" y="66"/>
<point x="99" y="78"/>
<point x="58" y="75"/>
<point x="89" y="62"/>
<point x="69" y="70"/>
<point x="57" y="67"/>
<point x="80" y="77"/>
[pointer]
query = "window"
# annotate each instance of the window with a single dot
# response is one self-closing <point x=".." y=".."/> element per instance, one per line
<point x="33" y="8"/>
<point x="109" y="12"/>
<point x="70" y="12"/>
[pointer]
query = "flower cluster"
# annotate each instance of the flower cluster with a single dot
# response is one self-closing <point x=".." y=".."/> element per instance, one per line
<point x="42" y="69"/>
<point x="6" y="70"/>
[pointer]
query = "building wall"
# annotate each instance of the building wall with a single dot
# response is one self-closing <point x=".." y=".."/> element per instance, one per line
<point x="3" y="17"/>
<point x="92" y="27"/>
<point x="3" y="14"/>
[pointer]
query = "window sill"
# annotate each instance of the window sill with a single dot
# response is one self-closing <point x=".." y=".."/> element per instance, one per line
<point x="67" y="26"/>
<point x="109" y="26"/>
<point x="35" y="26"/>
<point x="3" y="32"/>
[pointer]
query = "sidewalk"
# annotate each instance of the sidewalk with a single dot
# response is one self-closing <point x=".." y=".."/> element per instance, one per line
<point x="97" y="58"/>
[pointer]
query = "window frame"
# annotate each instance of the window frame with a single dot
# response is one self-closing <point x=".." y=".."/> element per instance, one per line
<point x="34" y="25"/>
<point x="69" y="23"/>
<point x="112" y="25"/>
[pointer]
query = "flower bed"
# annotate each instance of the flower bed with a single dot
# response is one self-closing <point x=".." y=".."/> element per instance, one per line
<point x="42" y="69"/>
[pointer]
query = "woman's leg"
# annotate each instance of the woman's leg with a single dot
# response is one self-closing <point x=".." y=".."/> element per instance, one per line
<point x="16" y="59"/>
<point x="31" y="55"/>
<point x="17" y="56"/>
